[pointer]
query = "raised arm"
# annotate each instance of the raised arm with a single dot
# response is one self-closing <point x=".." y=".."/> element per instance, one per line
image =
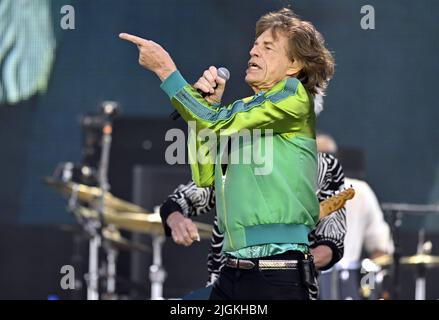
<point x="282" y="109"/>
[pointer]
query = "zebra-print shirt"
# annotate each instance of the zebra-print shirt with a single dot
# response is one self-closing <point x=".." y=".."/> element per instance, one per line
<point x="193" y="201"/>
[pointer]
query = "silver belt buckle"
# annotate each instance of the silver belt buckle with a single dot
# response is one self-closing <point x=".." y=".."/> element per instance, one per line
<point x="278" y="264"/>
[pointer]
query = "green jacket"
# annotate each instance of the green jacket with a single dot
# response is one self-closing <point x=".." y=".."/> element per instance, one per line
<point x="255" y="209"/>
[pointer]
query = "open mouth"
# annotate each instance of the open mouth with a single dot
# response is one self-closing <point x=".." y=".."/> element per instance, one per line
<point x="253" y="66"/>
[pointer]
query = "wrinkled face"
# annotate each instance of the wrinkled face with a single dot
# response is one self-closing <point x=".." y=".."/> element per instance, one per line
<point x="269" y="62"/>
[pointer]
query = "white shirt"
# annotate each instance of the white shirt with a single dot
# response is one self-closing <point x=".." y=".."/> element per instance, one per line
<point x="365" y="225"/>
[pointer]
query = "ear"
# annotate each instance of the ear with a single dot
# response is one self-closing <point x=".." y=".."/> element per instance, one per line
<point x="295" y="67"/>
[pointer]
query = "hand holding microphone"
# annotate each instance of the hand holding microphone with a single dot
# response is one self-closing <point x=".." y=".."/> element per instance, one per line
<point x="211" y="85"/>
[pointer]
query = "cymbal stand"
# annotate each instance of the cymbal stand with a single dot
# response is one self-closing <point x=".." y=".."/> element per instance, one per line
<point x="96" y="240"/>
<point x="93" y="264"/>
<point x="157" y="273"/>
<point x="110" y="267"/>
<point x="111" y="272"/>
<point x="423" y="248"/>
<point x="395" y="229"/>
<point x="92" y="227"/>
<point x="420" y="283"/>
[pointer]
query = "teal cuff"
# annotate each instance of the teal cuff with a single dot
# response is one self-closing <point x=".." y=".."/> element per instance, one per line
<point x="173" y="84"/>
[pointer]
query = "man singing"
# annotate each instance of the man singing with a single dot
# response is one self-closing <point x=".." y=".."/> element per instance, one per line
<point x="265" y="218"/>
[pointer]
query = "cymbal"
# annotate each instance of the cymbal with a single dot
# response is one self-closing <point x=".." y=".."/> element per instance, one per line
<point x="418" y="259"/>
<point x="90" y="195"/>
<point x="384" y="260"/>
<point x="140" y="222"/>
<point x="421" y="259"/>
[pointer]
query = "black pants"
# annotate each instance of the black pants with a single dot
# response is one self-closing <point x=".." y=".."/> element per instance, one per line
<point x="255" y="284"/>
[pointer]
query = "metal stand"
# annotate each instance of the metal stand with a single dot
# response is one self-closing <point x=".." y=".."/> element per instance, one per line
<point x="424" y="247"/>
<point x="111" y="273"/>
<point x="420" y="284"/>
<point x="95" y="243"/>
<point x="157" y="273"/>
<point x="395" y="228"/>
<point x="92" y="227"/>
<point x="96" y="226"/>
<point x="335" y="284"/>
<point x="93" y="268"/>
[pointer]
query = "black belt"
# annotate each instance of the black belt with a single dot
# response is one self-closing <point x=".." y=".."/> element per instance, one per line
<point x="304" y="265"/>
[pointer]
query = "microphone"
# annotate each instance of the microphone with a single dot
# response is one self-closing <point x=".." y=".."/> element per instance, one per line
<point x="223" y="73"/>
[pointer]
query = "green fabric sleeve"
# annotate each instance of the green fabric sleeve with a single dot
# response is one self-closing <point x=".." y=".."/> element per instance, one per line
<point x="284" y="109"/>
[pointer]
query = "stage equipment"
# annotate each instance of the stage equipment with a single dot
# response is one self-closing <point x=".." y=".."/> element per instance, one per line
<point x="422" y="259"/>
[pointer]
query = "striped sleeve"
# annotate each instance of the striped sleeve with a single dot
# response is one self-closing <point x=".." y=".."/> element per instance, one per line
<point x="193" y="200"/>
<point x="188" y="199"/>
<point x="330" y="176"/>
<point x="331" y="230"/>
<point x="216" y="259"/>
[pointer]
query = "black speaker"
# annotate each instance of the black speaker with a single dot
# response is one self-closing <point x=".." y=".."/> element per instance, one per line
<point x="137" y="141"/>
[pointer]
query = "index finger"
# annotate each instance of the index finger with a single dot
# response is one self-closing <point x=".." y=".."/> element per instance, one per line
<point x="134" y="39"/>
<point x="214" y="71"/>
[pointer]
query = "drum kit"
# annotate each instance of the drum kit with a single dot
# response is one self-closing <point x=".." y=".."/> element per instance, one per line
<point x="379" y="277"/>
<point x="103" y="229"/>
<point x="102" y="216"/>
<point x="419" y="263"/>
<point x="373" y="279"/>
